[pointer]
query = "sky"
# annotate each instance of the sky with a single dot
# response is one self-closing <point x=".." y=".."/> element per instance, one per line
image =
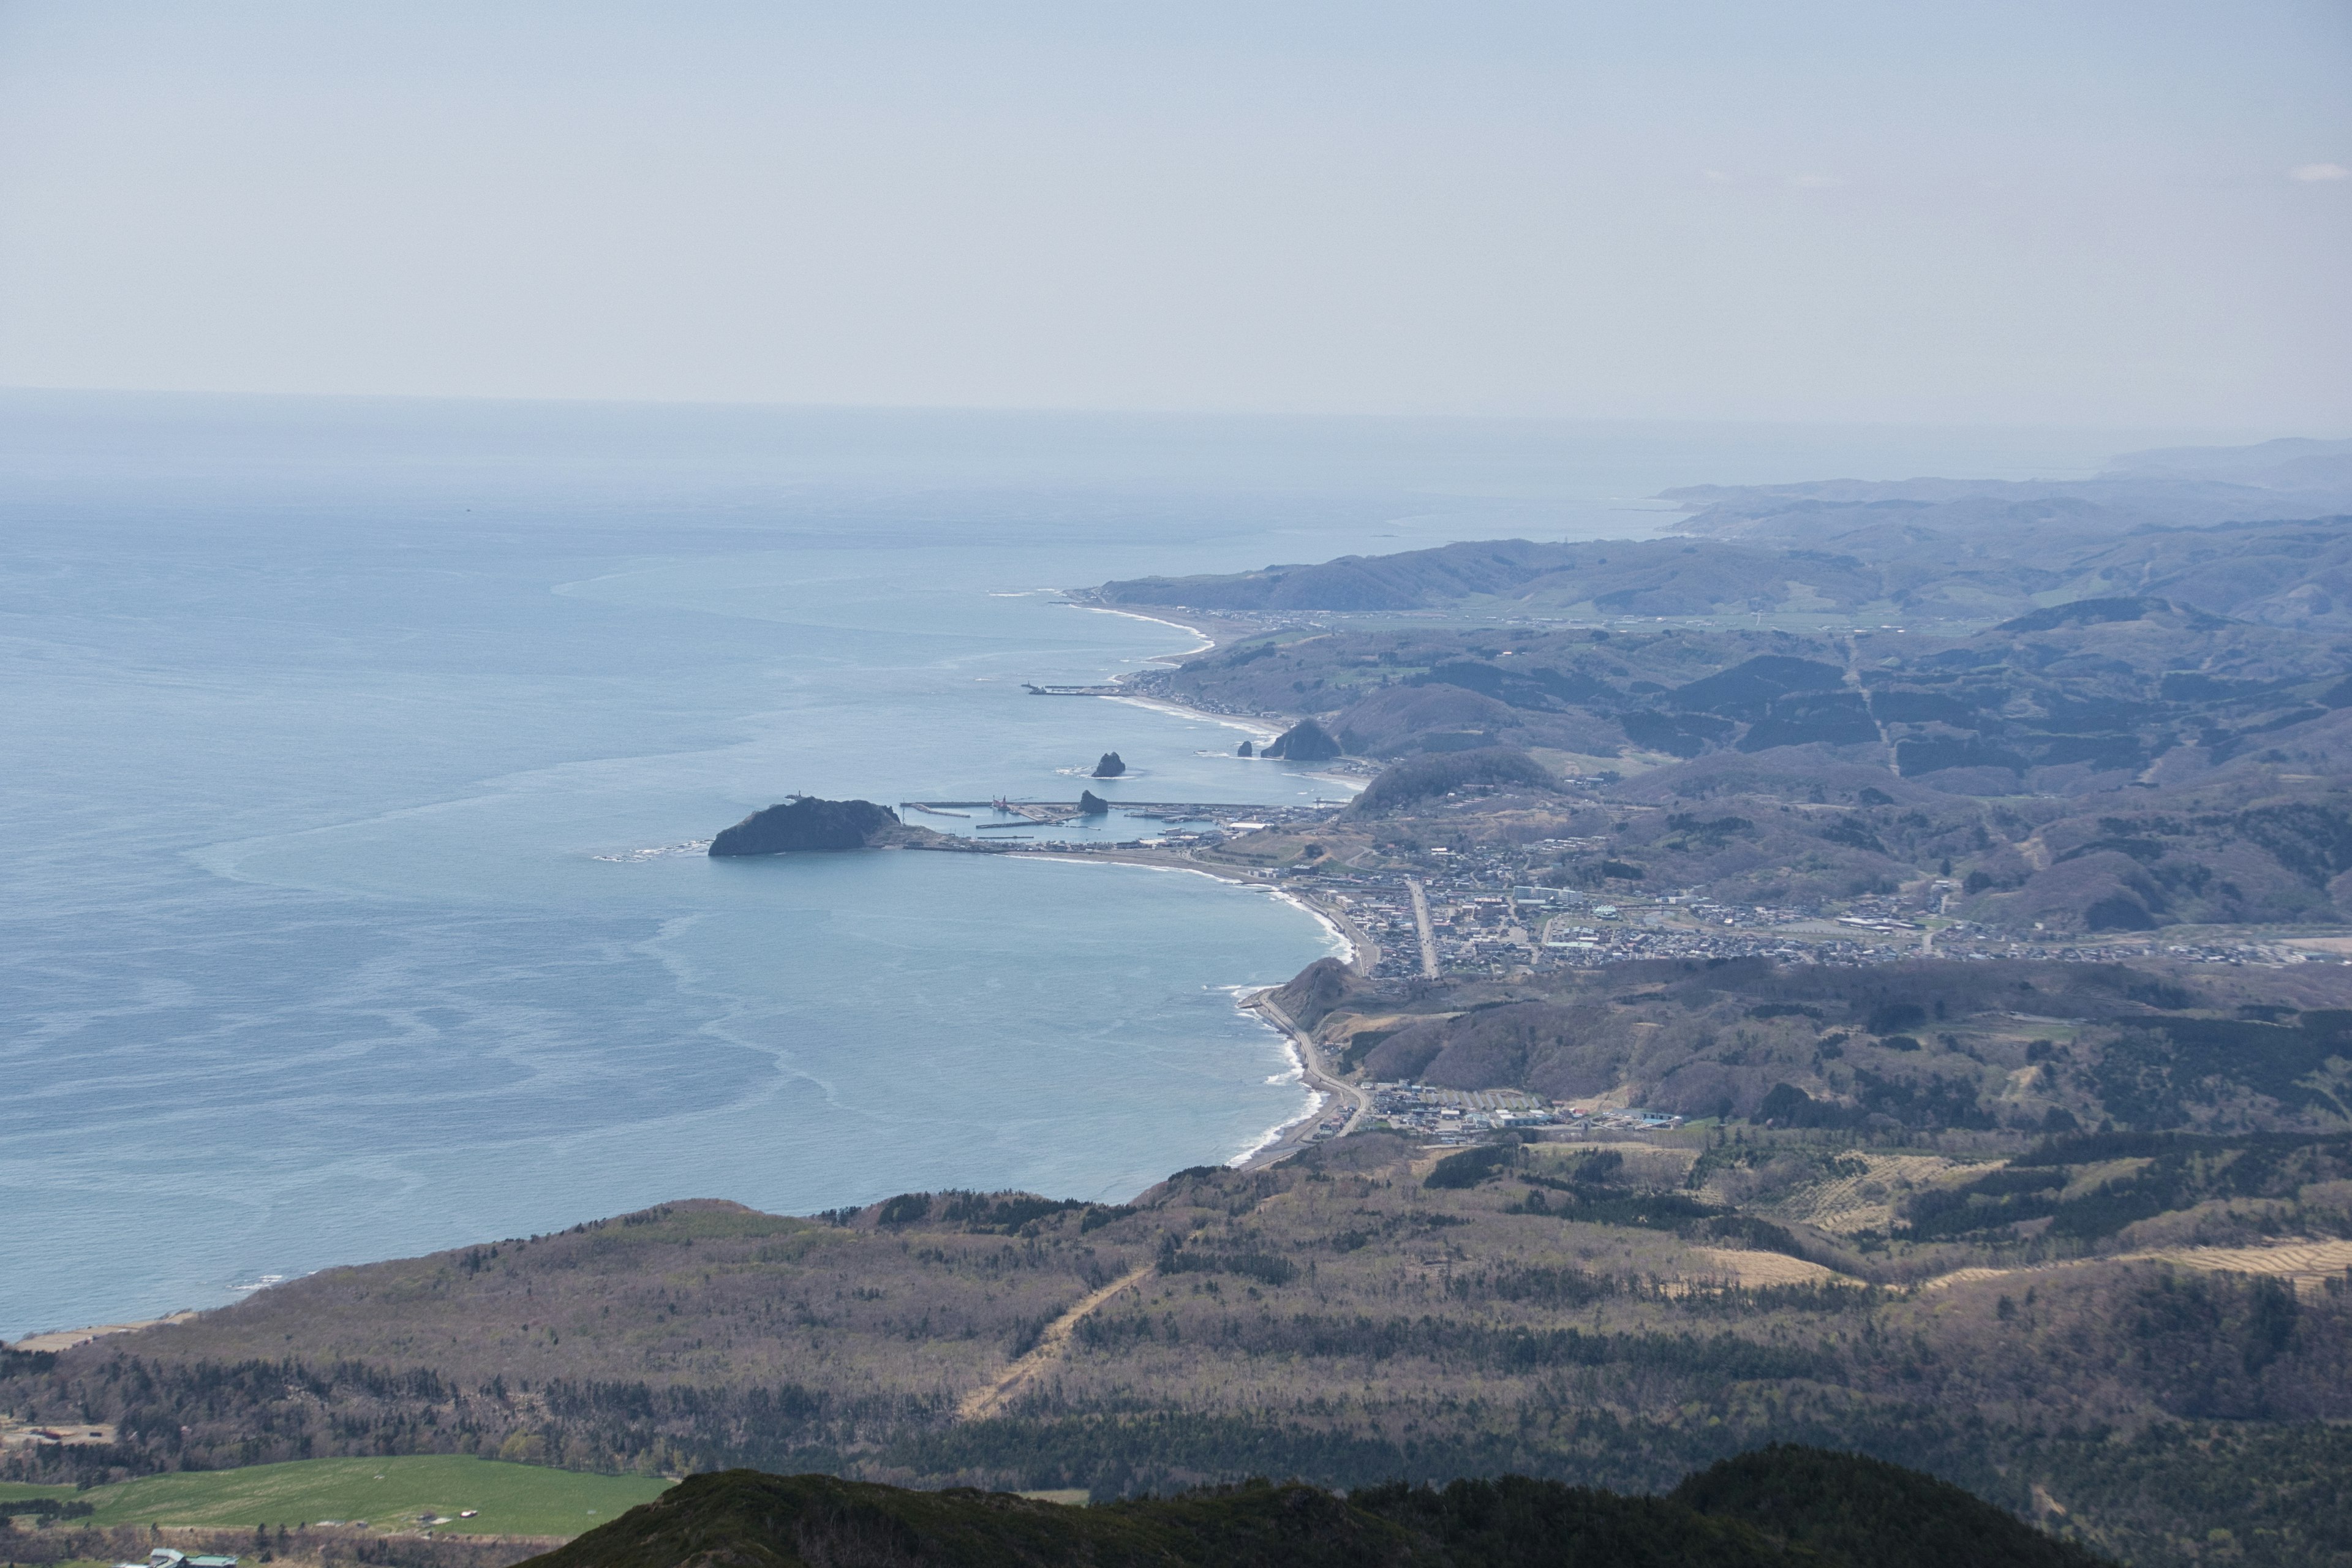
<point x="2069" y="212"/>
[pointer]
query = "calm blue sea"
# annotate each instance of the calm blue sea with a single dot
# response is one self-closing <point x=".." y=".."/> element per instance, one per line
<point x="338" y="734"/>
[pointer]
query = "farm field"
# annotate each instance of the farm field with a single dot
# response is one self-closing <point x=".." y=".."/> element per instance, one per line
<point x="387" y="1493"/>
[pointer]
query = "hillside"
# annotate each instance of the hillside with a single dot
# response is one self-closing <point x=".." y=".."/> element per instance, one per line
<point x="1599" y="1313"/>
<point x="2087" y="697"/>
<point x="1779" y="1506"/>
<point x="1926" y="1045"/>
<point x="2109" y="765"/>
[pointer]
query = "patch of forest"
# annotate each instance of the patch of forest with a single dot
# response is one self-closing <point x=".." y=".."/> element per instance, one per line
<point x="1368" y="1311"/>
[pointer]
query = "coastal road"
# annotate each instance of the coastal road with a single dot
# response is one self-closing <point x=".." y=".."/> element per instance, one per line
<point x="1365" y="956"/>
<point x="1421" y="919"/>
<point x="1318" y="1077"/>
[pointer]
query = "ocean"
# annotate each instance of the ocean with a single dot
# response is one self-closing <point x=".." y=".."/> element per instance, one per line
<point x="352" y="744"/>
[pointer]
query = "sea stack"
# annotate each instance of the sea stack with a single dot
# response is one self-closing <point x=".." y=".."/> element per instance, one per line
<point x="804" y="822"/>
<point x="1110" y="767"/>
<point x="1305" y="742"/>
<point x="1246" y="750"/>
<point x="1092" y="805"/>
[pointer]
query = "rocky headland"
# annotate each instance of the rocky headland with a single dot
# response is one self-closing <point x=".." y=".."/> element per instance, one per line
<point x="1305" y="742"/>
<point x="807" y="823"/>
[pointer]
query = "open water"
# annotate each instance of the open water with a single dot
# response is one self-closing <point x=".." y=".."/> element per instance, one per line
<point x="341" y="739"/>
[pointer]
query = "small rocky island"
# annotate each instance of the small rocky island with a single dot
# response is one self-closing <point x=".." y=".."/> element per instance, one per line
<point x="1305" y="742"/>
<point x="805" y="823"/>
<point x="1110" y="767"/>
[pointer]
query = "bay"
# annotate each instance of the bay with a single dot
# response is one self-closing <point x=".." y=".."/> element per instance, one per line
<point x="346" y="740"/>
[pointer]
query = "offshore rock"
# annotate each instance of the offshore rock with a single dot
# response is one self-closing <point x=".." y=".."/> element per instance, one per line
<point x="1092" y="805"/>
<point x="1305" y="742"/>
<point x="1245" y="749"/>
<point x="1110" y="767"/>
<point x="805" y="823"/>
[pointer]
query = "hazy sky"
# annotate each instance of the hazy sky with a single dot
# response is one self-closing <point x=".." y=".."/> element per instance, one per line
<point x="2090" y="214"/>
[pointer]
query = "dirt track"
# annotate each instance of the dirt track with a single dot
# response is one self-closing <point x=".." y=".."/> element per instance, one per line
<point x="991" y="1397"/>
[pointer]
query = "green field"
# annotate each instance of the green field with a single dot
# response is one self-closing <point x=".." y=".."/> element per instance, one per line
<point x="389" y="1494"/>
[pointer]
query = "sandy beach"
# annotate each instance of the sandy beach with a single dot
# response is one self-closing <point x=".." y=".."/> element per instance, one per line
<point x="1207" y="642"/>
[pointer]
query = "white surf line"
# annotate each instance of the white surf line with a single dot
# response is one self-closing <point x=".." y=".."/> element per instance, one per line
<point x="1316" y="1100"/>
<point x="1207" y="642"/>
<point x="1244" y="996"/>
<point x="1257" y="729"/>
<point x="1333" y="932"/>
<point x="1245" y="1001"/>
<point x="1332" y="929"/>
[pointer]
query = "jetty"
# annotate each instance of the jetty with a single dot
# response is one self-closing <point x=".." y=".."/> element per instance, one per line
<point x="1045" y="813"/>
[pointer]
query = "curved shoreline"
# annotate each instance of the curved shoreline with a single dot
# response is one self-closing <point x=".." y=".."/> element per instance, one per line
<point x="1207" y="642"/>
<point x="1290" y="1138"/>
<point x="1363" y="953"/>
<point x="1265" y="729"/>
<point x="1262" y="728"/>
<point x="1285" y="1137"/>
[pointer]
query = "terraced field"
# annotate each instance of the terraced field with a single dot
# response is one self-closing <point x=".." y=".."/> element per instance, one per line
<point x="1845" y="1204"/>
<point x="2307" y="1264"/>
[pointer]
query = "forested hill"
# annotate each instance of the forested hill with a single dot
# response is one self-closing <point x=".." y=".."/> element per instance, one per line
<point x="2086" y="1327"/>
<point x="1781" y="1507"/>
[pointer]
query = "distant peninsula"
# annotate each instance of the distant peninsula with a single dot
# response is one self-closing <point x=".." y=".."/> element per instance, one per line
<point x="806" y="822"/>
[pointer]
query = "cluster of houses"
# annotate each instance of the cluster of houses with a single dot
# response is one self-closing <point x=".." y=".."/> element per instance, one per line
<point x="165" y="1557"/>
<point x="1451" y="1116"/>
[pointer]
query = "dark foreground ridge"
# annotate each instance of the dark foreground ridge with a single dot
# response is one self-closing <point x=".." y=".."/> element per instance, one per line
<point x="805" y="822"/>
<point x="1789" y="1506"/>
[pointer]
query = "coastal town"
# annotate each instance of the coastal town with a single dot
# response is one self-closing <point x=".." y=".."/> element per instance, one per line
<point x="1479" y="911"/>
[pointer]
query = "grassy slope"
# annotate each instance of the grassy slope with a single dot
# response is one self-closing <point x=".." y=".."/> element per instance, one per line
<point x="513" y="1499"/>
